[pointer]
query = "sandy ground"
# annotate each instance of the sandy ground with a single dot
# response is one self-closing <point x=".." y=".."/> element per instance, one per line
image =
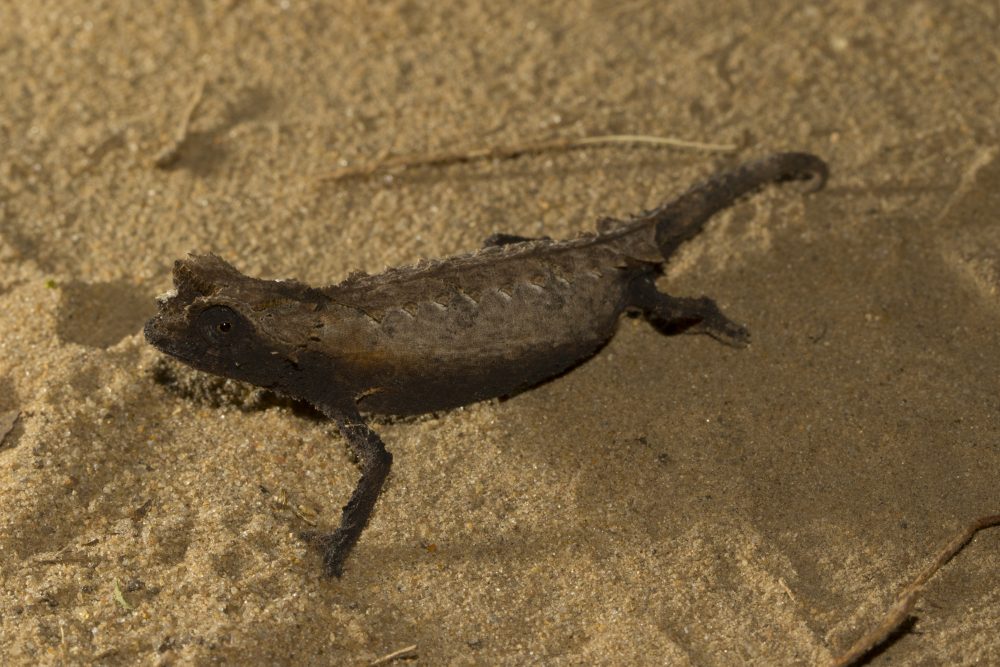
<point x="672" y="501"/>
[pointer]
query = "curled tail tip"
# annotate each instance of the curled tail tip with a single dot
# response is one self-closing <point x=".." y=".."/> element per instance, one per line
<point x="803" y="166"/>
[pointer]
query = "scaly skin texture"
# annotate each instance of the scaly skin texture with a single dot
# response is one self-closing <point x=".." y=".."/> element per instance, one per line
<point x="448" y="332"/>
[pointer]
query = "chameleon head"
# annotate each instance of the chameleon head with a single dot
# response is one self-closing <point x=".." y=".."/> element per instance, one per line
<point x="209" y="322"/>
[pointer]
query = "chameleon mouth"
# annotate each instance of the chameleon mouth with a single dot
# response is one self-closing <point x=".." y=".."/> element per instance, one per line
<point x="167" y="330"/>
<point x="170" y="334"/>
<point x="160" y="334"/>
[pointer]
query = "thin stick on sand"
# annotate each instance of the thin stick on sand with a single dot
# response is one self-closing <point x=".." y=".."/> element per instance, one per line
<point x="507" y="152"/>
<point x="900" y="610"/>
<point x="405" y="652"/>
<point x="170" y="153"/>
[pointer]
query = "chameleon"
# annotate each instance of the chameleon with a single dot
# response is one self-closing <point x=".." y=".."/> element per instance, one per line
<point x="444" y="333"/>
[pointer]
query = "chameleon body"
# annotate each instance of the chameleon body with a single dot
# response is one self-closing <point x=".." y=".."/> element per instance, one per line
<point x="448" y="332"/>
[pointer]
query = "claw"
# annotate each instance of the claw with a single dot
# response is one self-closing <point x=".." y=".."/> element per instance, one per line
<point x="332" y="545"/>
<point x="723" y="330"/>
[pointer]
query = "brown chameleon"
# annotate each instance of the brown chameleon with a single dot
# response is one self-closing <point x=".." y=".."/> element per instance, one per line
<point x="448" y="332"/>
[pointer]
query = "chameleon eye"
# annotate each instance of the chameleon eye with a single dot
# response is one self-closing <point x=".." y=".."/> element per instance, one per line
<point x="218" y="323"/>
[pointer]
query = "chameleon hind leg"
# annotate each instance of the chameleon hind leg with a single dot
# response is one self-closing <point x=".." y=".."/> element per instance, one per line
<point x="672" y="314"/>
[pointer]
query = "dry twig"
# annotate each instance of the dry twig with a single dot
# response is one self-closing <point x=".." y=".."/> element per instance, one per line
<point x="405" y="652"/>
<point x="900" y="610"/>
<point x="172" y="151"/>
<point x="386" y="163"/>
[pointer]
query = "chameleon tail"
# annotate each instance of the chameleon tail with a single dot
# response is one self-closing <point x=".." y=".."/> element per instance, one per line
<point x="682" y="218"/>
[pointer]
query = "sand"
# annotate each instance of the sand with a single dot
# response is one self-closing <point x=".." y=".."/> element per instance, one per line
<point x="672" y="501"/>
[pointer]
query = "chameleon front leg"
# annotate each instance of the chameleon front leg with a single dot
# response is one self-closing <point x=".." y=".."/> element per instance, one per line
<point x="375" y="462"/>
